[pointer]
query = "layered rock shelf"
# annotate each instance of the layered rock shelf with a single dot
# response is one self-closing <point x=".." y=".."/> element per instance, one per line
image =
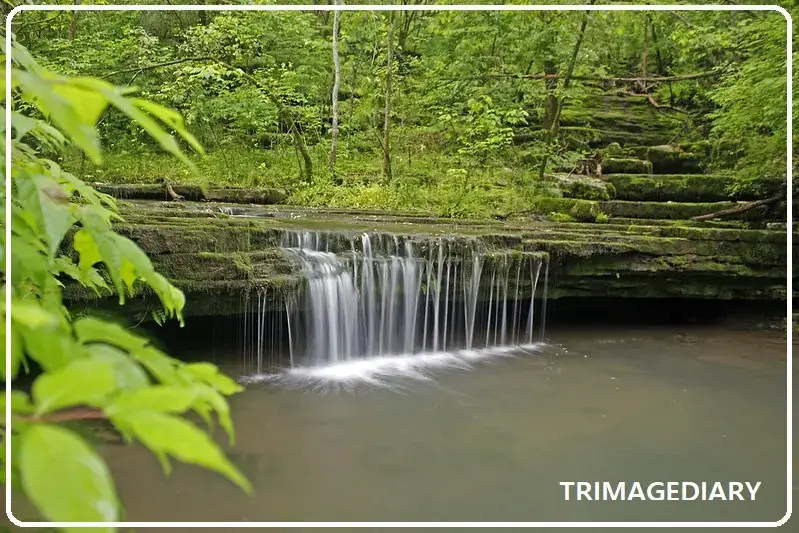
<point x="218" y="253"/>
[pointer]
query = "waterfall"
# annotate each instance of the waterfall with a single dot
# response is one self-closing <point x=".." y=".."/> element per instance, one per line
<point x="386" y="296"/>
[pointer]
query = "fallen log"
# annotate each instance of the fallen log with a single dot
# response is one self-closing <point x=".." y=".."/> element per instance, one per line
<point x="170" y="191"/>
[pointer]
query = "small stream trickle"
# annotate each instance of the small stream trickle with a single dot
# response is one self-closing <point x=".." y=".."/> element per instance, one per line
<point x="378" y="306"/>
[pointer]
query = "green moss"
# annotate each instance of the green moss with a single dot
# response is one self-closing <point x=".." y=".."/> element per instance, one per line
<point x="612" y="165"/>
<point x="669" y="210"/>
<point x="668" y="159"/>
<point x="582" y="187"/>
<point x="226" y="259"/>
<point x="682" y="188"/>
<point x="581" y="210"/>
<point x="562" y="217"/>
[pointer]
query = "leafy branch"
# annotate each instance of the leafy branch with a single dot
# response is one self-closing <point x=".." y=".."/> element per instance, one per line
<point x="90" y="368"/>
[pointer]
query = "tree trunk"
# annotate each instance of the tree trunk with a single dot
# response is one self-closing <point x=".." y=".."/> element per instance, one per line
<point x="352" y="89"/>
<point x="643" y="59"/>
<point x="203" y="15"/>
<point x="658" y="56"/>
<point x="387" y="116"/>
<point x="300" y="143"/>
<point x="336" y="85"/>
<point x="555" y="125"/>
<point x="73" y="27"/>
<point x="550" y="84"/>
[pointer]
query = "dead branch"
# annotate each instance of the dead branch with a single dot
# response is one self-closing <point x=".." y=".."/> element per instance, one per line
<point x="655" y="79"/>
<point x="740" y="209"/>
<point x="170" y="191"/>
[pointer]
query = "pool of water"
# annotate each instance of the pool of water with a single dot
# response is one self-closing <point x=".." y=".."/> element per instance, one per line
<point x="492" y="442"/>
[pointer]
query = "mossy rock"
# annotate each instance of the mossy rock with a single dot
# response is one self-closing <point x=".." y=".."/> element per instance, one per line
<point x="584" y="187"/>
<point x="671" y="210"/>
<point x="613" y="165"/>
<point x="580" y="210"/>
<point x="614" y="150"/>
<point x="247" y="196"/>
<point x="605" y="137"/>
<point x="668" y="159"/>
<point x="683" y="188"/>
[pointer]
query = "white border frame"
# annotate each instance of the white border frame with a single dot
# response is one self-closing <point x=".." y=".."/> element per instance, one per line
<point x="570" y="7"/>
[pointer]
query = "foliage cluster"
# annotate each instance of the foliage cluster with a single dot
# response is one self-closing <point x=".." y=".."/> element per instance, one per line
<point x="66" y="368"/>
<point x="256" y="87"/>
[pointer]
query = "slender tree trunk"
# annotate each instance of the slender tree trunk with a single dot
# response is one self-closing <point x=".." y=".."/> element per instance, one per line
<point x="73" y="27"/>
<point x="550" y="85"/>
<point x="352" y="89"/>
<point x="298" y="140"/>
<point x="555" y="126"/>
<point x="387" y="116"/>
<point x="203" y="15"/>
<point x="660" y="68"/>
<point x="336" y="85"/>
<point x="643" y="59"/>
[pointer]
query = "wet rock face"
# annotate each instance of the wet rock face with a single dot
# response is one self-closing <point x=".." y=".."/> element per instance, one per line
<point x="217" y="259"/>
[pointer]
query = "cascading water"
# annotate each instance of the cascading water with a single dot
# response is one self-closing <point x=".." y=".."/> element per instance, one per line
<point x="379" y="305"/>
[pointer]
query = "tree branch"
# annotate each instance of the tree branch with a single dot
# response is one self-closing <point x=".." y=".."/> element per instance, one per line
<point x="67" y="415"/>
<point x="735" y="210"/>
<point x="658" y="106"/>
<point x="656" y="79"/>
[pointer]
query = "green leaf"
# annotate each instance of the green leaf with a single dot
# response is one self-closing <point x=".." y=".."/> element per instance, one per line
<point x="166" y="398"/>
<point x="82" y="382"/>
<point x="31" y="315"/>
<point x="128" y="374"/>
<point x="52" y="348"/>
<point x="218" y="403"/>
<point x="163" y="367"/>
<point x="91" y="329"/>
<point x="38" y="88"/>
<point x="170" y="435"/>
<point x="89" y="104"/>
<point x="210" y="374"/>
<point x="171" y="118"/>
<point x="90" y="278"/>
<point x="64" y="478"/>
<point x="45" y="199"/>
<point x="16" y="352"/>
<point x="20" y="403"/>
<point x="164" y="139"/>
<point x="84" y="244"/>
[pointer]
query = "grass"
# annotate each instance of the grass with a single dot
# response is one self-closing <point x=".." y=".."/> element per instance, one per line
<point x="425" y="181"/>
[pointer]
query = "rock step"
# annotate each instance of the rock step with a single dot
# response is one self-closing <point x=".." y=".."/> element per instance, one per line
<point x="662" y="159"/>
<point x="599" y="137"/>
<point x="683" y="188"/>
<point x="675" y="210"/>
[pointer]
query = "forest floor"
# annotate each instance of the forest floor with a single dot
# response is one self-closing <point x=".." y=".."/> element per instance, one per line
<point x="423" y="182"/>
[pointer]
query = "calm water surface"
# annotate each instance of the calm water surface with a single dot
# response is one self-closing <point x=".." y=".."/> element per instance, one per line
<point x="492" y="443"/>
